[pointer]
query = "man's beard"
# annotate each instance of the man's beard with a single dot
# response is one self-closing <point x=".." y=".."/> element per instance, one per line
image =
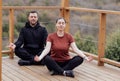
<point x="33" y="23"/>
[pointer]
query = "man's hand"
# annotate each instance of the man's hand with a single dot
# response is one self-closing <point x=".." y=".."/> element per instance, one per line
<point x="12" y="46"/>
<point x="36" y="58"/>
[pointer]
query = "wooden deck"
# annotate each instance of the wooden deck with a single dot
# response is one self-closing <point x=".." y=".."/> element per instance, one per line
<point x="11" y="71"/>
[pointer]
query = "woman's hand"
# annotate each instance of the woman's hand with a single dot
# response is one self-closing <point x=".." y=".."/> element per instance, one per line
<point x="36" y="58"/>
<point x="89" y="58"/>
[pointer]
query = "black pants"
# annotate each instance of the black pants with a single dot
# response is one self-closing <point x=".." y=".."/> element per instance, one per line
<point x="28" y="54"/>
<point x="62" y="66"/>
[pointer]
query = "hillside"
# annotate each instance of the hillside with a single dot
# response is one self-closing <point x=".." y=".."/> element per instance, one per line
<point x="86" y="22"/>
<point x="96" y="4"/>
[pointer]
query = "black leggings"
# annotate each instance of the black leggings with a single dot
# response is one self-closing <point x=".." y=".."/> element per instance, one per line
<point x="62" y="66"/>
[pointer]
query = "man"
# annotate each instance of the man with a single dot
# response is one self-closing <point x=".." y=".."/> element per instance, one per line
<point x="31" y="41"/>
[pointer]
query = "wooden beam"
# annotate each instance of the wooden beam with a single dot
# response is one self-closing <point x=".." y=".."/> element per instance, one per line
<point x="0" y="40"/>
<point x="11" y="30"/>
<point x="65" y="13"/>
<point x="6" y="51"/>
<point x="93" y="10"/>
<point x="31" y="7"/>
<point x="101" y="42"/>
<point x="112" y="62"/>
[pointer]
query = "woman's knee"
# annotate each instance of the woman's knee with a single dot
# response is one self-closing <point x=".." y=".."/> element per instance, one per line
<point x="79" y="59"/>
<point x="47" y="58"/>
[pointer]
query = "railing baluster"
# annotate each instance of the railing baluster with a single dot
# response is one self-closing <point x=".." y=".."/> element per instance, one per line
<point x="11" y="30"/>
<point x="0" y="40"/>
<point x="101" y="42"/>
<point x="65" y="13"/>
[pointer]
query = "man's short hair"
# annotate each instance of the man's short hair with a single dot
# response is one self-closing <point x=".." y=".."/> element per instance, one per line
<point x="32" y="12"/>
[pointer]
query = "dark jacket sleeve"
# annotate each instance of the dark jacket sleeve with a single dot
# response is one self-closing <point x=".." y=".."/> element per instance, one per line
<point x="20" y="39"/>
<point x="45" y="35"/>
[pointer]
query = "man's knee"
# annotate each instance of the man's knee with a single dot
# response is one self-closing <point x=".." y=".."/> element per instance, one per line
<point x="17" y="51"/>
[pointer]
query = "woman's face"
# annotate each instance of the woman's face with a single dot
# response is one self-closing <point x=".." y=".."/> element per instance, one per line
<point x="60" y="24"/>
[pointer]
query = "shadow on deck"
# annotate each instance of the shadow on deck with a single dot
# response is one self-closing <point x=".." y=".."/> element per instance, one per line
<point x="11" y="71"/>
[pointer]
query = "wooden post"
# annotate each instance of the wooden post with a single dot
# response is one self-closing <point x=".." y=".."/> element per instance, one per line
<point x="0" y="40"/>
<point x="101" y="44"/>
<point x="65" y="13"/>
<point x="11" y="30"/>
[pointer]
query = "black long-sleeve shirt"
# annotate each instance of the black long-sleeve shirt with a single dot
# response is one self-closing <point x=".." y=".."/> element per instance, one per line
<point x="32" y="37"/>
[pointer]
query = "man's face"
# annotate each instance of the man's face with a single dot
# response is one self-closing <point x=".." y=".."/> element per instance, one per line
<point x="33" y="18"/>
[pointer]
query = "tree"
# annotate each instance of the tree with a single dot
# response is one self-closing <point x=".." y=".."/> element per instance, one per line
<point x="113" y="47"/>
<point x="85" y="44"/>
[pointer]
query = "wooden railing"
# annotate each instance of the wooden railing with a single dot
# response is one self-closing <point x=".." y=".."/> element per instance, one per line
<point x="64" y="12"/>
<point x="0" y="40"/>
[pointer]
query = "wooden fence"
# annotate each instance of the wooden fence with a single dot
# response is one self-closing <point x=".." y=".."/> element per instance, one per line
<point x="0" y="40"/>
<point x="64" y="12"/>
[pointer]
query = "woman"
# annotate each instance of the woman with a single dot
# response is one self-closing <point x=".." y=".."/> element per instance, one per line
<point x="59" y="42"/>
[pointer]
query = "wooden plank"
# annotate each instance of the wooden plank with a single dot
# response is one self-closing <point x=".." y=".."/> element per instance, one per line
<point x="0" y="39"/>
<point x="14" y="78"/>
<point x="5" y="78"/>
<point x="94" y="75"/>
<point x="14" y="72"/>
<point x="111" y="62"/>
<point x="42" y="71"/>
<point x="85" y="72"/>
<point x="80" y="76"/>
<point x="31" y="7"/>
<point x="104" y="72"/>
<point x="93" y="10"/>
<point x="101" y="42"/>
<point x="11" y="30"/>
<point x="5" y="51"/>
<point x="65" y="13"/>
<point x="21" y="71"/>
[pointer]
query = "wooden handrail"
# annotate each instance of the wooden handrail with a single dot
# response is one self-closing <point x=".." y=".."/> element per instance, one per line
<point x="31" y="7"/>
<point x="59" y="7"/>
<point x="93" y="10"/>
<point x="112" y="62"/>
<point x="0" y="40"/>
<point x="6" y="51"/>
